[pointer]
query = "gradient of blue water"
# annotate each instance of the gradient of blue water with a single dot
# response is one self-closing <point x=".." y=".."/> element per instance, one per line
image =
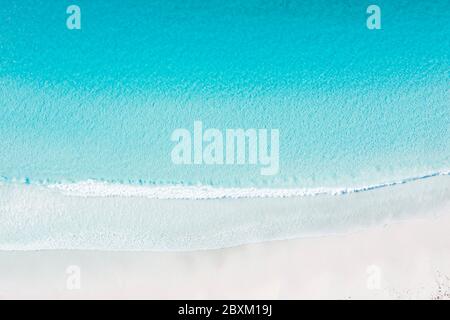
<point x="353" y="106"/>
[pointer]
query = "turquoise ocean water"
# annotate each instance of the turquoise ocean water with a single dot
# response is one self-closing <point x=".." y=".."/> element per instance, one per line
<point x="90" y="112"/>
<point x="353" y="106"/>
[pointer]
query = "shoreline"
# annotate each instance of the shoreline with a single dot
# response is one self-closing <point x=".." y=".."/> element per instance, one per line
<point x="103" y="188"/>
<point x="387" y="243"/>
<point x="404" y="260"/>
<point x="35" y="218"/>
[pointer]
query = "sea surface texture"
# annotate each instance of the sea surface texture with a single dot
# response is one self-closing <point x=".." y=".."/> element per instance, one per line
<point x="90" y="112"/>
<point x="353" y="106"/>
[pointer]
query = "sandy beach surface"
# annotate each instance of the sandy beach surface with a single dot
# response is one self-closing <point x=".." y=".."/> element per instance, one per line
<point x="403" y="260"/>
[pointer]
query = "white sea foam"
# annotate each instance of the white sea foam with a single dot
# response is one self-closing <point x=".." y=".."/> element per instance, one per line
<point x="107" y="216"/>
<point x="92" y="188"/>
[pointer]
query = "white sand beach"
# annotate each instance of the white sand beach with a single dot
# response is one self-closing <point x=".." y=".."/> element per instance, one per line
<point x="397" y="259"/>
<point x="410" y="260"/>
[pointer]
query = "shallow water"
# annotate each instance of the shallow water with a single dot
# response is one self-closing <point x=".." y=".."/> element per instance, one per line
<point x="354" y="107"/>
<point x="37" y="217"/>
